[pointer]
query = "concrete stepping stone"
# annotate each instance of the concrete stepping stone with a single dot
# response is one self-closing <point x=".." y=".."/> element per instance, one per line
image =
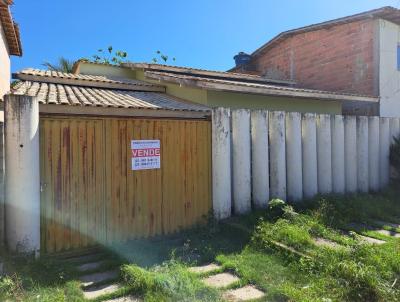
<point x="371" y="240"/>
<point x="389" y="233"/>
<point x="89" y="266"/>
<point x="204" y="269"/>
<point x="326" y="243"/>
<point x="220" y="280"/>
<point x="125" y="299"/>
<point x="245" y="293"/>
<point x="389" y="224"/>
<point x="95" y="292"/>
<point x="92" y="279"/>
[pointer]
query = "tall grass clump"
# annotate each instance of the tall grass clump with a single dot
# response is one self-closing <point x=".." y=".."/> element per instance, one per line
<point x="170" y="281"/>
<point x="353" y="272"/>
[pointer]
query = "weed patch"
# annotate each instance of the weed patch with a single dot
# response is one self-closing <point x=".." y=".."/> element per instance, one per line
<point x="169" y="282"/>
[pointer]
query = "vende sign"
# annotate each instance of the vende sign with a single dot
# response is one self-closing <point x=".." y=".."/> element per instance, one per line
<point x="145" y="154"/>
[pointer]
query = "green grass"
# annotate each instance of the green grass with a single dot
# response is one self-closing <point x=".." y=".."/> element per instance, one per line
<point x="157" y="269"/>
<point x="170" y="281"/>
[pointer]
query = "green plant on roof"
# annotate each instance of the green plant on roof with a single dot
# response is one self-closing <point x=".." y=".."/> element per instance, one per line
<point x="108" y="56"/>
<point x="62" y="65"/>
<point x="161" y="58"/>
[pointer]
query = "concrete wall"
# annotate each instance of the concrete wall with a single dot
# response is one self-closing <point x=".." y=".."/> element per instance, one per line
<point x="22" y="193"/>
<point x="298" y="156"/>
<point x="5" y="75"/>
<point x="389" y="76"/>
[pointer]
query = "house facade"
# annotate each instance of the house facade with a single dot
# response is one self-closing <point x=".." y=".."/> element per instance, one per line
<point x="357" y="54"/>
<point x="228" y="89"/>
<point x="10" y="44"/>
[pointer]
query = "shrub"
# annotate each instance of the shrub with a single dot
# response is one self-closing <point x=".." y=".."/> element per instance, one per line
<point x="276" y="208"/>
<point x="139" y="279"/>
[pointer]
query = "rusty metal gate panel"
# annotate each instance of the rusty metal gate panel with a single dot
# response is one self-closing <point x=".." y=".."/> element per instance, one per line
<point x="91" y="195"/>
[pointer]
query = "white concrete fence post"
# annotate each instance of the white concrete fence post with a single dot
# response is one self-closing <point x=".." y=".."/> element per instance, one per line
<point x="324" y="153"/>
<point x="384" y="144"/>
<point x="277" y="155"/>
<point x="394" y="128"/>
<point x="350" y="151"/>
<point x="373" y="152"/>
<point x="362" y="154"/>
<point x="241" y="161"/>
<point x="294" y="168"/>
<point x="221" y="163"/>
<point x="309" y="155"/>
<point x="260" y="158"/>
<point x="22" y="190"/>
<point x="338" y="155"/>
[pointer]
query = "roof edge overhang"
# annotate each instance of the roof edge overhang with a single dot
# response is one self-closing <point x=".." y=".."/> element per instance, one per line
<point x="10" y="28"/>
<point x="303" y="94"/>
<point x="88" y="83"/>
<point x="53" y="109"/>
<point x="208" y="73"/>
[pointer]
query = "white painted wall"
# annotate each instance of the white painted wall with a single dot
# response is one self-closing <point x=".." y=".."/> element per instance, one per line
<point x="384" y="152"/>
<point x="389" y="76"/>
<point x="5" y="75"/>
<point x="305" y="154"/>
<point x="241" y="161"/>
<point x="362" y="154"/>
<point x="277" y="138"/>
<point x="260" y="158"/>
<point x="324" y="153"/>
<point x="338" y="158"/>
<point x="22" y="194"/>
<point x="350" y="153"/>
<point x="309" y="144"/>
<point x="294" y="166"/>
<point x="221" y="163"/>
<point x="373" y="153"/>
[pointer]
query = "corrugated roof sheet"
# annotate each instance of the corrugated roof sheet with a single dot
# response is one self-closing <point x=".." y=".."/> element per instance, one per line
<point x="268" y="88"/>
<point x="60" y="94"/>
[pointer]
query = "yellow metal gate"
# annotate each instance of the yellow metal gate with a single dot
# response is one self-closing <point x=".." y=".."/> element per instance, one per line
<point x="91" y="195"/>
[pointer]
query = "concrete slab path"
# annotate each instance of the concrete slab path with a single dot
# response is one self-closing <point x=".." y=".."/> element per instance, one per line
<point x="93" y="279"/>
<point x="245" y="293"/>
<point x="221" y="280"/>
<point x="204" y="269"/>
<point x="95" y="292"/>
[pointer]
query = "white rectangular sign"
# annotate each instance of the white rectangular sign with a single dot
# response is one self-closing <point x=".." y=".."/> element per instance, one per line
<point x="145" y="154"/>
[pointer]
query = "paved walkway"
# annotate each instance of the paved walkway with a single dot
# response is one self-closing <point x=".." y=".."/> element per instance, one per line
<point x="97" y="279"/>
<point x="228" y="283"/>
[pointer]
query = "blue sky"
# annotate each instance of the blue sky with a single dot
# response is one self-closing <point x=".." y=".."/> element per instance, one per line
<point x="203" y="34"/>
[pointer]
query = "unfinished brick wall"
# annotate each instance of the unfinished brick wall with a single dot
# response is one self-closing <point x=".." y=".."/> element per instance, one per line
<point x="339" y="58"/>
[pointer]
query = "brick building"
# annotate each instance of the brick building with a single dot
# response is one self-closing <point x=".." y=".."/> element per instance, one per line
<point x="356" y="54"/>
